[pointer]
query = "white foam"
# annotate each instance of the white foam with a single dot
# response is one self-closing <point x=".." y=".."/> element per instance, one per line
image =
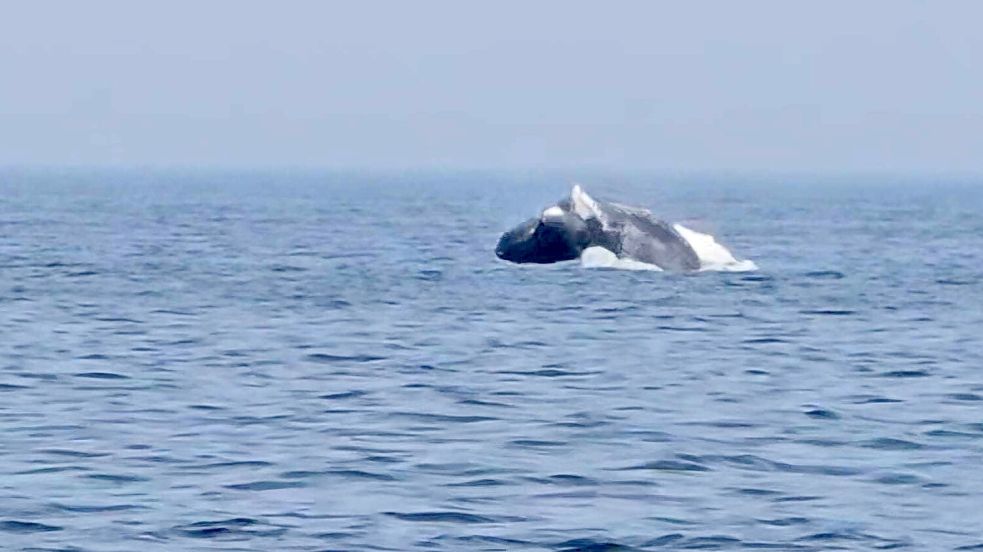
<point x="713" y="256"/>
<point x="599" y="257"/>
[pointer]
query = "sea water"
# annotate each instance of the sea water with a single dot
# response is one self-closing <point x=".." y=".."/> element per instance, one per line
<point x="327" y="361"/>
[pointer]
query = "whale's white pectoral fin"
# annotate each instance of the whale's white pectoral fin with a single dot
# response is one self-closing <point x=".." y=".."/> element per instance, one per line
<point x="583" y="204"/>
<point x="712" y="255"/>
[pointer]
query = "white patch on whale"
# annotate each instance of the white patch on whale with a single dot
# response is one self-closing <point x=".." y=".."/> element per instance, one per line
<point x="553" y="212"/>
<point x="584" y="205"/>
<point x="599" y="257"/>
<point x="713" y="256"/>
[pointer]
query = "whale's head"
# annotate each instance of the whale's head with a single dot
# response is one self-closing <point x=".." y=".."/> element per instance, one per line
<point x="558" y="234"/>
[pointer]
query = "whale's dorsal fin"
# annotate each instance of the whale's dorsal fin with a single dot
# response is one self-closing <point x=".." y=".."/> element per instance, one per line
<point x="583" y="204"/>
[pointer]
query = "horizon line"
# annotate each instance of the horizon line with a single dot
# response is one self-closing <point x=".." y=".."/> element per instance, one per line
<point x="828" y="172"/>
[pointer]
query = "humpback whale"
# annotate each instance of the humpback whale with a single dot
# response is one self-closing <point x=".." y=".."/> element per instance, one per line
<point x="564" y="231"/>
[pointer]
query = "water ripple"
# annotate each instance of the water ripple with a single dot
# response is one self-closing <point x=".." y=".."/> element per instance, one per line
<point x="307" y="362"/>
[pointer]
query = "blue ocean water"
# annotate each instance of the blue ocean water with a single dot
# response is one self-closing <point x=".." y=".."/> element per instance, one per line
<point x="307" y="361"/>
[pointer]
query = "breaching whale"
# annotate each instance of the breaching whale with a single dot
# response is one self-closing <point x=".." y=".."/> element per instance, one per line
<point x="564" y="231"/>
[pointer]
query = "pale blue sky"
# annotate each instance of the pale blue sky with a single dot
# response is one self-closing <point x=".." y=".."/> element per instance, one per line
<point x="889" y="85"/>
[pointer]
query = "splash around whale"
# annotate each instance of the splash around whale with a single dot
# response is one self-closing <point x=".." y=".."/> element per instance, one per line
<point x="610" y="235"/>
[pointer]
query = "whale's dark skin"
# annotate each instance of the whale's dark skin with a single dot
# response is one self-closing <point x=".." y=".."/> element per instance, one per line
<point x="564" y="231"/>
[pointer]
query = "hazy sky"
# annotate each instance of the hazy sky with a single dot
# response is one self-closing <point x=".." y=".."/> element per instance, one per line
<point x="695" y="85"/>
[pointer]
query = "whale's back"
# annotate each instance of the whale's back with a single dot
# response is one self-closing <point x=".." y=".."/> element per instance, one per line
<point x="649" y="240"/>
